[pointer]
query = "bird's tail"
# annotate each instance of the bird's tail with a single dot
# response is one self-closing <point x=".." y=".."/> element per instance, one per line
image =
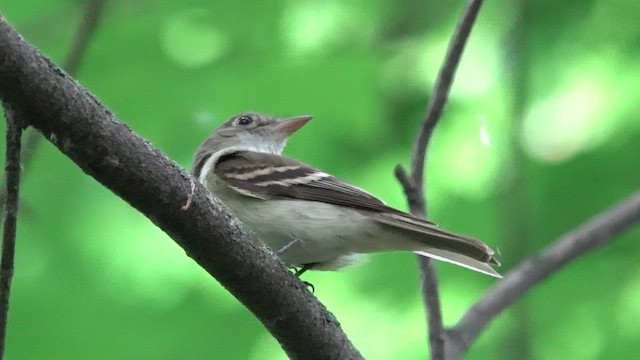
<point x="460" y="260"/>
<point x="439" y="244"/>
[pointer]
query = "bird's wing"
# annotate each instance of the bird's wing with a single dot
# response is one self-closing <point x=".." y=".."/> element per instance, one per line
<point x="269" y="176"/>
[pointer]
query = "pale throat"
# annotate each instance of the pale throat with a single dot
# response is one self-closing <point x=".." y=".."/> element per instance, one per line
<point x="262" y="144"/>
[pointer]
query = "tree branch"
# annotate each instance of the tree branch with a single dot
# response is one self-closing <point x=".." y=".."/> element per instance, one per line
<point x="593" y="234"/>
<point x="90" y="21"/>
<point x="12" y="174"/>
<point x="414" y="185"/>
<point x="443" y="86"/>
<point x="74" y="121"/>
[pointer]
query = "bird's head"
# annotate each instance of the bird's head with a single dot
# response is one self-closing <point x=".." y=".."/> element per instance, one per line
<point x="248" y="132"/>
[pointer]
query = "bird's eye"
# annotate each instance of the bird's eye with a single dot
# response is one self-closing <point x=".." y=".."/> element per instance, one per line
<point x="244" y="120"/>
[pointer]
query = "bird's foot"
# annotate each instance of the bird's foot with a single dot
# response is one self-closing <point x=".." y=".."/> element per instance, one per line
<point x="298" y="272"/>
<point x="309" y="286"/>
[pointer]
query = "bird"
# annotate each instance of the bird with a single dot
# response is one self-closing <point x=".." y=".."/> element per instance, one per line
<point x="313" y="220"/>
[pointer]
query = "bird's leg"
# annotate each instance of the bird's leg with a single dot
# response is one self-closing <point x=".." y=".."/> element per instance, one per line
<point x="286" y="246"/>
<point x="302" y="270"/>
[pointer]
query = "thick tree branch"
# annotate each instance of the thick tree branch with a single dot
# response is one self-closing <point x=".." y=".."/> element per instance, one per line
<point x="12" y="174"/>
<point x="593" y="234"/>
<point x="414" y="185"/>
<point x="88" y="133"/>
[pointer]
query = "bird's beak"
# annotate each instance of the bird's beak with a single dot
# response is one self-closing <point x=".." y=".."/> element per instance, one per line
<point x="289" y="126"/>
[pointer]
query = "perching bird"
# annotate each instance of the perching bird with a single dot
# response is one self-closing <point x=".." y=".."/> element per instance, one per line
<point x="312" y="219"/>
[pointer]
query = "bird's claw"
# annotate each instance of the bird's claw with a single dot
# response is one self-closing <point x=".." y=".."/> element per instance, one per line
<point x="301" y="270"/>
<point x="310" y="286"/>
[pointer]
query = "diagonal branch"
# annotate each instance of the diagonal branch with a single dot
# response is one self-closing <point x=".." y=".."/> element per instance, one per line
<point x="414" y="185"/>
<point x="49" y="100"/>
<point x="593" y="234"/>
<point x="443" y="86"/>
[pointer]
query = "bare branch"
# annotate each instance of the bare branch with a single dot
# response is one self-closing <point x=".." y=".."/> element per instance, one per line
<point x="84" y="34"/>
<point x="593" y="234"/>
<point x="414" y="185"/>
<point x="9" y="194"/>
<point x="51" y="101"/>
<point x="442" y="88"/>
<point x="431" y="294"/>
<point x="414" y="198"/>
<point x="12" y="174"/>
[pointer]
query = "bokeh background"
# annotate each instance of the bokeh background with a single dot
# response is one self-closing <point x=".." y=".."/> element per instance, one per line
<point x="542" y="132"/>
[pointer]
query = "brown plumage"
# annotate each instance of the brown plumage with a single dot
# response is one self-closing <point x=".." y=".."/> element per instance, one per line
<point x="310" y="217"/>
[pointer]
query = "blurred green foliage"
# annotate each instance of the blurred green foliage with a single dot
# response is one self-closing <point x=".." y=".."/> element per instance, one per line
<point x="541" y="132"/>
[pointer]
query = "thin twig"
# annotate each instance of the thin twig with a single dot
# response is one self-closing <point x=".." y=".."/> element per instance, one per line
<point x="82" y="38"/>
<point x="431" y="294"/>
<point x="593" y="234"/>
<point x="86" y="30"/>
<point x="442" y="88"/>
<point x="428" y="275"/>
<point x="9" y="194"/>
<point x="414" y="185"/>
<point x="12" y="173"/>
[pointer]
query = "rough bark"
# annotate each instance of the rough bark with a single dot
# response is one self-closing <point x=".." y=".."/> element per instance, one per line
<point x="46" y="98"/>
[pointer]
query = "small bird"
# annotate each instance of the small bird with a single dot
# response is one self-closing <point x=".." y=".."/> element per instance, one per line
<point x="311" y="219"/>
